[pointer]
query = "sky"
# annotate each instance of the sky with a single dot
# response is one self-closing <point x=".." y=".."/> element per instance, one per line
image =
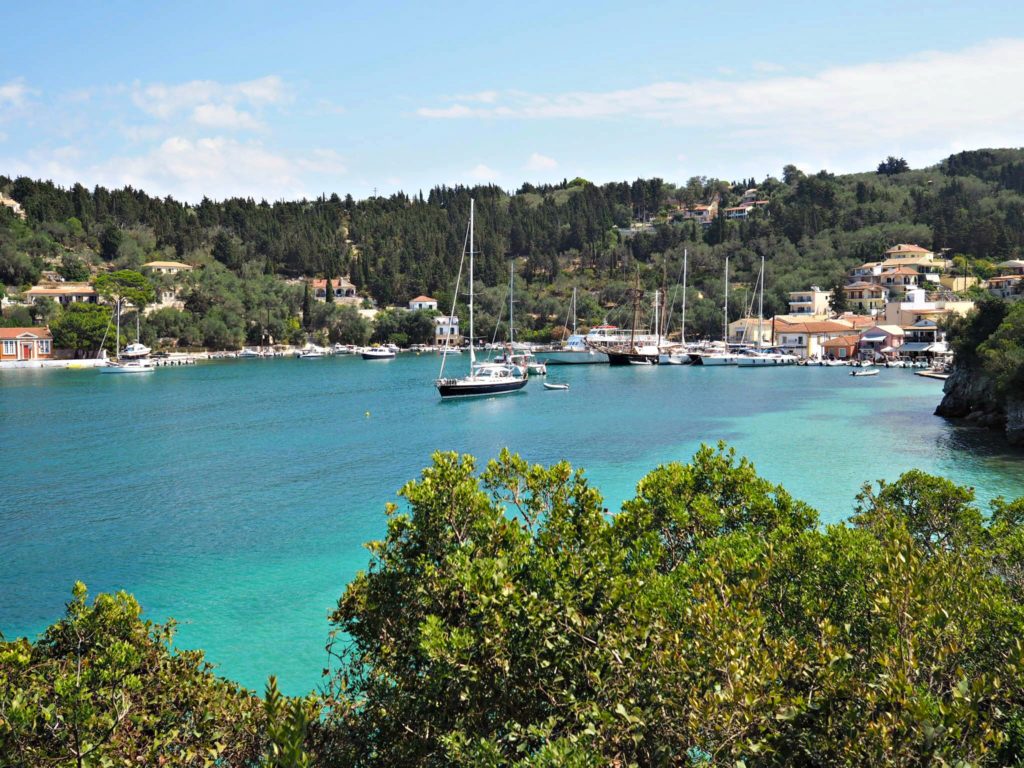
<point x="287" y="100"/>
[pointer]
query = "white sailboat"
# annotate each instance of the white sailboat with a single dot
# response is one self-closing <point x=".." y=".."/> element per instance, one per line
<point x="677" y="355"/>
<point x="575" y="350"/>
<point x="483" y="378"/>
<point x="134" y="358"/>
<point x="762" y="358"/>
<point x="720" y="355"/>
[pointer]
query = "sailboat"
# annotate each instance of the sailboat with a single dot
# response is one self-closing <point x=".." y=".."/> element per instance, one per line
<point x="523" y="358"/>
<point x="676" y="354"/>
<point x="484" y="378"/>
<point x="639" y="349"/>
<point x="575" y="350"/>
<point x="761" y="358"/>
<point x="721" y="355"/>
<point x="134" y="358"/>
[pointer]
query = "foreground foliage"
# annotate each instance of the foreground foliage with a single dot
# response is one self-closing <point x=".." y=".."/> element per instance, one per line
<point x="506" y="619"/>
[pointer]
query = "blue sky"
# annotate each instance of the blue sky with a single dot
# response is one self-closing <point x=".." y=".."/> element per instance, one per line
<point x="281" y="100"/>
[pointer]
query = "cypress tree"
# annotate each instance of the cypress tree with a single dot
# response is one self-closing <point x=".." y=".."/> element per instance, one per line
<point x="330" y="290"/>
<point x="307" y="308"/>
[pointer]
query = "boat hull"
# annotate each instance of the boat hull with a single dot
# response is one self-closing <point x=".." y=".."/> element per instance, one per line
<point x="713" y="359"/>
<point x="574" y="357"/>
<point x="377" y="356"/>
<point x="450" y="388"/>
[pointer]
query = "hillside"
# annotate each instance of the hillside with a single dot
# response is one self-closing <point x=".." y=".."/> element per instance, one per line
<point x="811" y="230"/>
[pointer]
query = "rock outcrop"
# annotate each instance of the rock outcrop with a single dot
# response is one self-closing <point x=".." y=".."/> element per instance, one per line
<point x="971" y="395"/>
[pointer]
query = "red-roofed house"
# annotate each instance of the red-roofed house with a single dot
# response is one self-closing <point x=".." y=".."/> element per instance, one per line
<point x="25" y="344"/>
<point x="423" y="302"/>
<point x="344" y="290"/>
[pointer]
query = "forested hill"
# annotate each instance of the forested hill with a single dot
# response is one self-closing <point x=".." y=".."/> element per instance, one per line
<point x="813" y="229"/>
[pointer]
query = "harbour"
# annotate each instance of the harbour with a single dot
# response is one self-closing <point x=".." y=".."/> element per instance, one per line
<point x="255" y="483"/>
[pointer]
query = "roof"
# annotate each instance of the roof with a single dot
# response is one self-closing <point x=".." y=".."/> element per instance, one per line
<point x="862" y="286"/>
<point x="1006" y="278"/>
<point x="336" y="282"/>
<point x="1011" y="264"/>
<point x="907" y="248"/>
<point x="843" y="341"/>
<point x="61" y="290"/>
<point x="892" y="330"/>
<point x="899" y="271"/>
<point x="859" y="321"/>
<point x="167" y="265"/>
<point x="25" y="333"/>
<point x="423" y="298"/>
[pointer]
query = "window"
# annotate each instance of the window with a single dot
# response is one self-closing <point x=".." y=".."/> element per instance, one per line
<point x="44" y="347"/>
<point x="9" y="347"/>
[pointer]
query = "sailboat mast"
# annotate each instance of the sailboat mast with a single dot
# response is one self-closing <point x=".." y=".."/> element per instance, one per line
<point x="657" y="319"/>
<point x="511" y="285"/>
<point x="117" y="343"/>
<point x="760" y="309"/>
<point x="472" y="354"/>
<point x="725" y="319"/>
<point x="574" y="310"/>
<point x="682" y="326"/>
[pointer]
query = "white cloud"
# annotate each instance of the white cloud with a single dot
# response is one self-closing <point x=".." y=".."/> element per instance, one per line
<point x="930" y="99"/>
<point x="209" y="102"/>
<point x="767" y="66"/>
<point x="481" y="172"/>
<point x="539" y="162"/>
<point x="224" y="116"/>
<point x="13" y="93"/>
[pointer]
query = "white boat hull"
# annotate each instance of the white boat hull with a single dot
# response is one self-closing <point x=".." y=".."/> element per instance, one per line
<point x="573" y="357"/>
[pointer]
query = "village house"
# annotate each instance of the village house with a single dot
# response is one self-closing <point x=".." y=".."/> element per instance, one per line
<point x="841" y="347"/>
<point x="446" y="331"/>
<point x="64" y="293"/>
<point x="919" y="303"/>
<point x="923" y="340"/>
<point x="812" y="303"/>
<point x="422" y="302"/>
<point x="808" y="338"/>
<point x="899" y="280"/>
<point x="167" y="267"/>
<point x="20" y="344"/>
<point x="869" y="272"/>
<point x="745" y="331"/>
<point x="881" y="341"/>
<point x="864" y="297"/>
<point x="1009" y="284"/>
<point x="344" y="290"/>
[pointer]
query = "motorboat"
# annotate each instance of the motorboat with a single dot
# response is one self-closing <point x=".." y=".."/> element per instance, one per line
<point x="311" y="354"/>
<point x="865" y="372"/>
<point x="378" y="353"/>
<point x="551" y="385"/>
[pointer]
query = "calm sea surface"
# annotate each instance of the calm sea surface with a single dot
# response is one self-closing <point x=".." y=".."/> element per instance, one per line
<point x="236" y="496"/>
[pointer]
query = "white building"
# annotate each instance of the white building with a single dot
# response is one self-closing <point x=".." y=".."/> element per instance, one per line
<point x="446" y="331"/>
<point x="422" y="302"/>
<point x="812" y="303"/>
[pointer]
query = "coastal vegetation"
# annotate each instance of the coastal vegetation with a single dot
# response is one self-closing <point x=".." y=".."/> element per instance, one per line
<point x="253" y="254"/>
<point x="507" y="619"/>
<point x="987" y="384"/>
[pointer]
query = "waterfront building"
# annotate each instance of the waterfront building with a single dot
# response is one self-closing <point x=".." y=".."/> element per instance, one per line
<point x="841" y="347"/>
<point x="924" y="340"/>
<point x="64" y="293"/>
<point x="813" y="303"/>
<point x="422" y="302"/>
<point x="167" y="267"/>
<point x="808" y="338"/>
<point x="20" y="344"/>
<point x="744" y="331"/>
<point x="344" y="290"/>
<point x="446" y="331"/>
<point x="881" y="341"/>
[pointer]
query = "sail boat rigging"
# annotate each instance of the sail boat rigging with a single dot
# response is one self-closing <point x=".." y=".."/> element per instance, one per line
<point x="484" y="378"/>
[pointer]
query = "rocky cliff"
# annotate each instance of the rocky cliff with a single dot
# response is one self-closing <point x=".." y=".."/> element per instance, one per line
<point x="970" y="394"/>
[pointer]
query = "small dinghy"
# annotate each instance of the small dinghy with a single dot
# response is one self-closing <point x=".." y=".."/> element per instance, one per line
<point x="866" y="372"/>
<point x="549" y="385"/>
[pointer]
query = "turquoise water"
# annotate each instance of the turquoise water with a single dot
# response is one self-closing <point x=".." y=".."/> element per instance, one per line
<point x="236" y="496"/>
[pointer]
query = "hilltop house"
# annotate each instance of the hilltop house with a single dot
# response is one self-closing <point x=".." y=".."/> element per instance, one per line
<point x="344" y="290"/>
<point x="167" y="267"/>
<point x="64" y="293"/>
<point x="25" y="344"/>
<point x="422" y="302"/>
<point x="1009" y="284"/>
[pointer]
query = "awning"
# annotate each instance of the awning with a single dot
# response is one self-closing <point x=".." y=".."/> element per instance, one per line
<point x="887" y="349"/>
<point x="917" y="346"/>
<point x="873" y="339"/>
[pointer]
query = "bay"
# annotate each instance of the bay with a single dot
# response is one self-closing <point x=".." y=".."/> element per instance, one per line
<point x="237" y="496"/>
